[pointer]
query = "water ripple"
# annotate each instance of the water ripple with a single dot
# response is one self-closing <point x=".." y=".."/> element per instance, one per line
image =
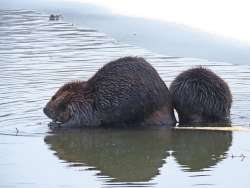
<point x="38" y="55"/>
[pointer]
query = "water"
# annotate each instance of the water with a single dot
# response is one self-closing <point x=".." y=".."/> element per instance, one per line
<point x="37" y="56"/>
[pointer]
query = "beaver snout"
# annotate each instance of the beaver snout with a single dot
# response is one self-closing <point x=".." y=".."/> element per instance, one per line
<point x="48" y="112"/>
<point x="56" y="116"/>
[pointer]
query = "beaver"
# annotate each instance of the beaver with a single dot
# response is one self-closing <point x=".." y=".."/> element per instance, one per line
<point x="124" y="91"/>
<point x="201" y="96"/>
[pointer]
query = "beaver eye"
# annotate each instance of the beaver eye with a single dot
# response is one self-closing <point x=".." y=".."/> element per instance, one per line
<point x="53" y="98"/>
<point x="62" y="106"/>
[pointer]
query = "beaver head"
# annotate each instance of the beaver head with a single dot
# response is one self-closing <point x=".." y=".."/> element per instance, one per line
<point x="67" y="103"/>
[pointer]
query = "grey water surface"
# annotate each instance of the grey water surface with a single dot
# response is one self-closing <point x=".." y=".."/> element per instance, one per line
<point x="37" y="56"/>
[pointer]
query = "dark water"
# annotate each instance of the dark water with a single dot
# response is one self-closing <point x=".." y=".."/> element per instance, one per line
<point x="38" y="55"/>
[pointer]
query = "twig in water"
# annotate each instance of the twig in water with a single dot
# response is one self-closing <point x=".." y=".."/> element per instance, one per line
<point x="17" y="131"/>
<point x="242" y="156"/>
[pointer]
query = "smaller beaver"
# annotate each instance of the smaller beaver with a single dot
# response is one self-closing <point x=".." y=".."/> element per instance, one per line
<point x="200" y="96"/>
<point x="125" y="91"/>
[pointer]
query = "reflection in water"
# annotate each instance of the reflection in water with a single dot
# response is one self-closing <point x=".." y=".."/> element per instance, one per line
<point x="199" y="150"/>
<point x="125" y="155"/>
<point x="137" y="155"/>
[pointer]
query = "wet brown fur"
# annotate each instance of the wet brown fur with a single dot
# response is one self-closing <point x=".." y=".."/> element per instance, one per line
<point x="201" y="96"/>
<point x="124" y="91"/>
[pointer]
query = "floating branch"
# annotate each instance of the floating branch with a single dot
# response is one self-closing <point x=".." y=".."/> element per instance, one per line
<point x="237" y="128"/>
<point x="17" y="131"/>
<point x="242" y="156"/>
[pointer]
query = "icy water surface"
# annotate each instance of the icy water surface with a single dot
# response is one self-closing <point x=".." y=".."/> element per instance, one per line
<point x="37" y="56"/>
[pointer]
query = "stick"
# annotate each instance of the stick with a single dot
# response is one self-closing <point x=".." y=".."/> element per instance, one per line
<point x="238" y="128"/>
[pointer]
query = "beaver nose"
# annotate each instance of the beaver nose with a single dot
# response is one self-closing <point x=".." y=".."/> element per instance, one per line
<point x="46" y="111"/>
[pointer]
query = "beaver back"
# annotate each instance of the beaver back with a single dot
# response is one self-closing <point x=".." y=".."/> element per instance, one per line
<point x="128" y="89"/>
<point x="199" y="95"/>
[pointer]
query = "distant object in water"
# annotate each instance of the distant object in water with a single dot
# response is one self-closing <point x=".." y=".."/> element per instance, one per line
<point x="200" y="96"/>
<point x="53" y="17"/>
<point x="125" y="91"/>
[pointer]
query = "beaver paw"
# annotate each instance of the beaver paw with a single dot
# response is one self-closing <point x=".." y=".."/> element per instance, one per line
<point x="54" y="125"/>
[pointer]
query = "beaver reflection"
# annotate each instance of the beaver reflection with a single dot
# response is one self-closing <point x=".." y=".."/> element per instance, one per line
<point x="197" y="150"/>
<point x="137" y="155"/>
<point x="125" y="155"/>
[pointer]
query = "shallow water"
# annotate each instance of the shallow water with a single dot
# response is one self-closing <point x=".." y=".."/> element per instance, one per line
<point x="37" y="56"/>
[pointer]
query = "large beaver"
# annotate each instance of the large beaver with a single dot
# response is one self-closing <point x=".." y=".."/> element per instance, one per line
<point x="200" y="96"/>
<point x="124" y="91"/>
